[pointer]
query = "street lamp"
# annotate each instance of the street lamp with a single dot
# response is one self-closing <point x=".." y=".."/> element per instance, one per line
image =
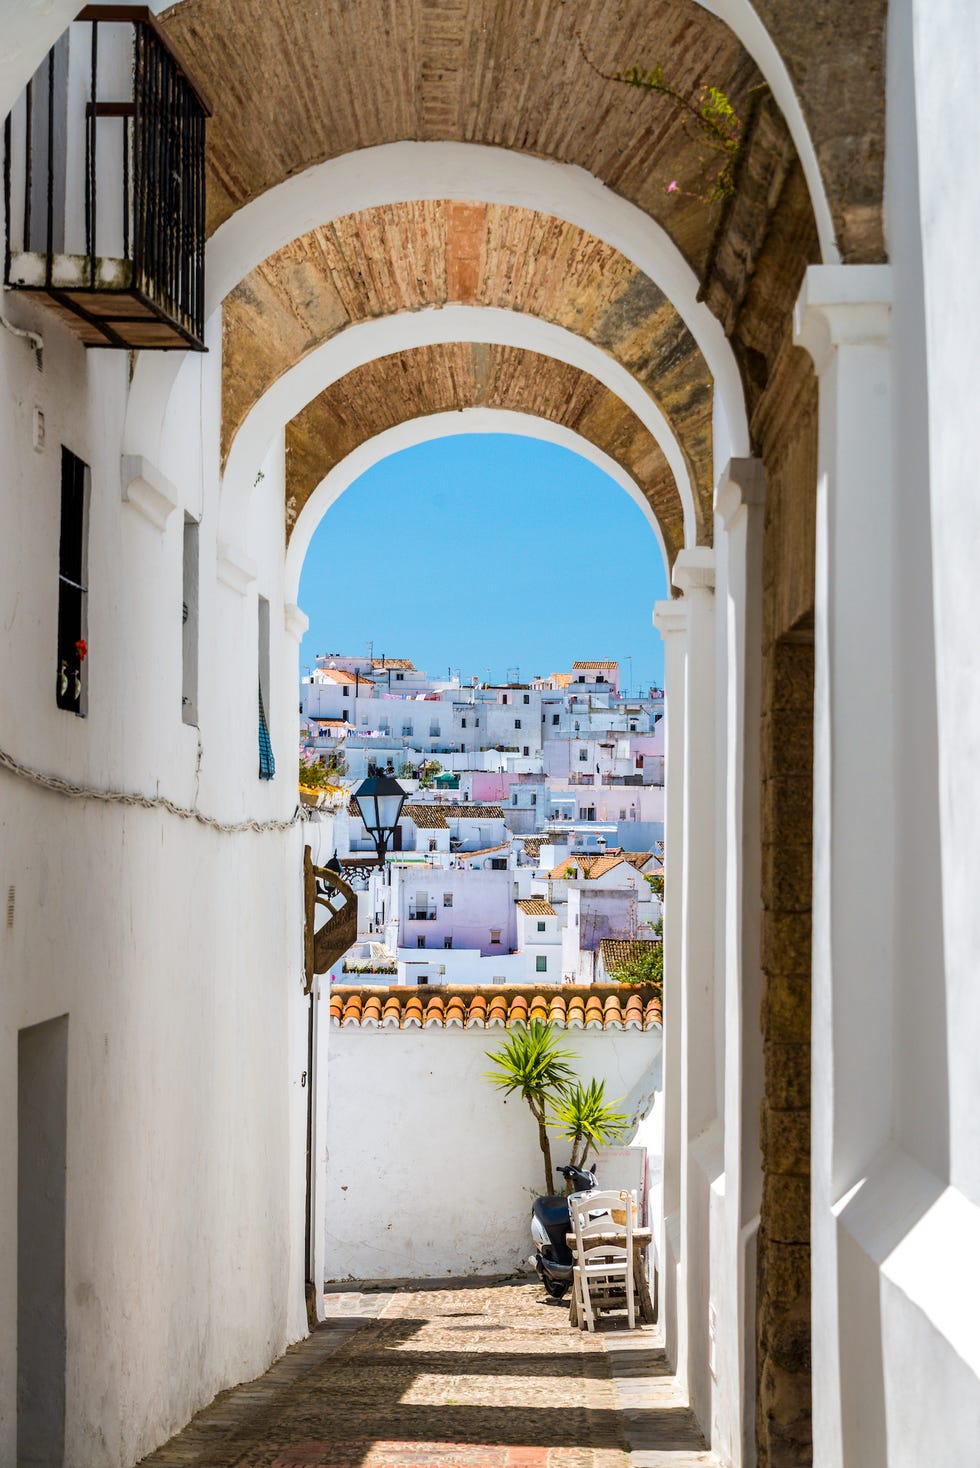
<point x="379" y="799"/>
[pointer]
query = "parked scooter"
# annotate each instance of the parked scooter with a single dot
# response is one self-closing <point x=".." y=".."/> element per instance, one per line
<point x="550" y="1222"/>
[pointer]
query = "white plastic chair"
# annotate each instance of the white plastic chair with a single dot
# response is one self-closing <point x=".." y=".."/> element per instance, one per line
<point x="603" y="1270"/>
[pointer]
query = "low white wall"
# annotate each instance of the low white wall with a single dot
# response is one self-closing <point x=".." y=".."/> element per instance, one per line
<point x="429" y="1170"/>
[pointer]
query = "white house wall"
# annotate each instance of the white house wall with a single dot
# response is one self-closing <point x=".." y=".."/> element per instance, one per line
<point x="173" y="949"/>
<point x="429" y="1171"/>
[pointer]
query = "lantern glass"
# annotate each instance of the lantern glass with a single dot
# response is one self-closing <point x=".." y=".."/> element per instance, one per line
<point x="379" y="799"/>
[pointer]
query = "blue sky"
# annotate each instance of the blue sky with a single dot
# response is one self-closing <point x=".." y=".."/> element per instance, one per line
<point x="486" y="551"/>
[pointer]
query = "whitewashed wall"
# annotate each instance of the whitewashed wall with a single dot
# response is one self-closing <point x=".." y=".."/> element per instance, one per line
<point x="174" y="950"/>
<point x="429" y="1171"/>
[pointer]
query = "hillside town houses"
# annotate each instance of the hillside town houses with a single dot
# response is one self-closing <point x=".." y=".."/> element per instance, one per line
<point x="531" y="839"/>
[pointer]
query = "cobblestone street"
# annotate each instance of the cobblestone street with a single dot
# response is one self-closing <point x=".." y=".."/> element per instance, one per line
<point x="462" y="1376"/>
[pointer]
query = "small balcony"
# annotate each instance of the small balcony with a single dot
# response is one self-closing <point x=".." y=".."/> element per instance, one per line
<point x="104" y="185"/>
<point x="422" y="914"/>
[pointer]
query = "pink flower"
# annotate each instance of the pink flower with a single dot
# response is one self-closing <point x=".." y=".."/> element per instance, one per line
<point x="673" y="186"/>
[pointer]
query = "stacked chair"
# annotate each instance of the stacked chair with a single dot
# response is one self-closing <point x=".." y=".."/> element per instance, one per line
<point x="603" y="1270"/>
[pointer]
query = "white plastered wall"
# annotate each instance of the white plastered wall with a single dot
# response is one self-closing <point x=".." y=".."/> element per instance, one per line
<point x="894" y="1251"/>
<point x="431" y="1172"/>
<point x="173" y="949"/>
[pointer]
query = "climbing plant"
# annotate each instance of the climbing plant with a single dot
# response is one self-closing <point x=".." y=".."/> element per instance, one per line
<point x="708" y="116"/>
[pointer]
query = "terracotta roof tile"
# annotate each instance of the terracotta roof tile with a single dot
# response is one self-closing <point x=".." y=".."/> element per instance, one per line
<point x="597" y="866"/>
<point x="614" y="952"/>
<point x="535" y="906"/>
<point x="484" y="851"/>
<point x="599" y="1006"/>
<point x="402" y="664"/>
<point x="605" y="663"/>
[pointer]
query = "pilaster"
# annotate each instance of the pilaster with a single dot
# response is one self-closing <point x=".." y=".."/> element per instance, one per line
<point x="670" y="620"/>
<point x="843" y="318"/>
<point x="740" y="508"/>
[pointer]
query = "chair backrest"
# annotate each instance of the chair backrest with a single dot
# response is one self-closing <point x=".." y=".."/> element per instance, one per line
<point x="592" y="1216"/>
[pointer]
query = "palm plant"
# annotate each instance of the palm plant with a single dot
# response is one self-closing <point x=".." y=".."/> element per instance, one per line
<point x="532" y="1063"/>
<point x="583" y="1114"/>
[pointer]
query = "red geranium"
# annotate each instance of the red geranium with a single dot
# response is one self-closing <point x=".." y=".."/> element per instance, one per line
<point x="81" y="647"/>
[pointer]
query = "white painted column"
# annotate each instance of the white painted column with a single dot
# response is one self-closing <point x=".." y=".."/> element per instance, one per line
<point x="843" y="319"/>
<point x="740" y="512"/>
<point x="694" y="573"/>
<point x="670" y="620"/>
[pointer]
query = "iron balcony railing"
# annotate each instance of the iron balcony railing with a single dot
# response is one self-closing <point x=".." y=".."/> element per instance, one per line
<point x="104" y="184"/>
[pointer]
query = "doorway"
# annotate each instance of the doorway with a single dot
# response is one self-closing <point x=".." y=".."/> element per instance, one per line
<point x="42" y="1122"/>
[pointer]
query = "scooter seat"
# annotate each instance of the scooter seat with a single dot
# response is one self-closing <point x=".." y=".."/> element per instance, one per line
<point x="552" y="1211"/>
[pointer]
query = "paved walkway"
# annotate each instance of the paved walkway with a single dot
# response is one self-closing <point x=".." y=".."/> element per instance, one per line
<point x="462" y="1376"/>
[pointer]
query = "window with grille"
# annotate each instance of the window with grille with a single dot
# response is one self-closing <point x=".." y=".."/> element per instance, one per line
<point x="190" y="621"/>
<point x="71" y="687"/>
<point x="267" y="763"/>
<point x="541" y="963"/>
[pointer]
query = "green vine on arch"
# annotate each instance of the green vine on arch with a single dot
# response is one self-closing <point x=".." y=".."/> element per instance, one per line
<point x="709" y="119"/>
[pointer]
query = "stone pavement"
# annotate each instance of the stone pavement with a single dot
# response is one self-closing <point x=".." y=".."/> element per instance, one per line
<point x="457" y="1375"/>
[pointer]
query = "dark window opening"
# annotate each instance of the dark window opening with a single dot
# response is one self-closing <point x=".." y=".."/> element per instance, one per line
<point x="267" y="763"/>
<point x="72" y="683"/>
<point x="191" y="621"/>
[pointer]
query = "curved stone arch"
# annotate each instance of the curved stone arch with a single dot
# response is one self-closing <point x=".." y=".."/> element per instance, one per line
<point x="445" y="425"/>
<point x="32" y="27"/>
<point x="407" y="257"/>
<point x="361" y="344"/>
<point x="396" y="173"/>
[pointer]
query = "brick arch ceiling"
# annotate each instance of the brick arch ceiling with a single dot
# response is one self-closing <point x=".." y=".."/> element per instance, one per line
<point x="438" y="379"/>
<point x="409" y="256"/>
<point x="295" y="82"/>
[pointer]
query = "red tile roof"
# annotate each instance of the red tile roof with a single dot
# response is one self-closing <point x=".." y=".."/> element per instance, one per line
<point x="459" y="1006"/>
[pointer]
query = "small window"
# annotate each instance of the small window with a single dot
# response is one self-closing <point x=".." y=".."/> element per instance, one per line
<point x="420" y="941"/>
<point x="71" y="684"/>
<point x="534" y="798"/>
<point x="267" y="763"/>
<point x="345" y="714"/>
<point x="542" y="925"/>
<point x="527" y="698"/>
<point x="399" y="677"/>
<point x="513" y="798"/>
<point x="555" y="718"/>
<point x="433" y="844"/>
<point x="447" y="942"/>
<point x="423" y="980"/>
<point x="517" y="723"/>
<point x="499" y="979"/>
<point x="527" y="749"/>
<point x="581" y="678"/>
<point x="505" y="698"/>
<point x="498" y="864"/>
<point x="494" y="935"/>
<point x="541" y="963"/>
<point x="583" y="754"/>
<point x="406" y="731"/>
<point x="462" y="723"/>
<point x="622" y="813"/>
<point x="447" y="899"/>
<point x="346" y="690"/>
<point x="189" y="641"/>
